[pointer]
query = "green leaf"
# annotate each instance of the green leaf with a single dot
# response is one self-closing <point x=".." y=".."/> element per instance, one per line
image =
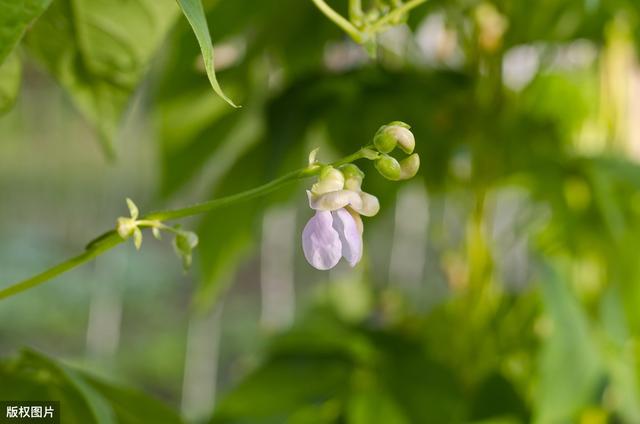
<point x="227" y="234"/>
<point x="99" y="51"/>
<point x="571" y="367"/>
<point x="10" y="76"/>
<point x="372" y="404"/>
<point x="194" y="13"/>
<point x="84" y="399"/>
<point x="132" y="406"/>
<point x="15" y="17"/>
<point x="495" y="397"/>
<point x="283" y="385"/>
<point x="35" y="373"/>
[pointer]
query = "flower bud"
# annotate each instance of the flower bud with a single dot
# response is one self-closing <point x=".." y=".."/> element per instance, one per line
<point x="353" y="176"/>
<point x="312" y="156"/>
<point x="409" y="166"/>
<point x="384" y="141"/>
<point x="126" y="226"/>
<point x="388" y="167"/>
<point x="183" y="244"/>
<point x="330" y="179"/>
<point x="395" y="134"/>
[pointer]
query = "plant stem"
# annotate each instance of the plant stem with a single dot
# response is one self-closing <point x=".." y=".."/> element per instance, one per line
<point x="106" y="243"/>
<point x="396" y="14"/>
<point x="355" y="12"/>
<point x="111" y="239"/>
<point x="210" y="205"/>
<point x="339" y="20"/>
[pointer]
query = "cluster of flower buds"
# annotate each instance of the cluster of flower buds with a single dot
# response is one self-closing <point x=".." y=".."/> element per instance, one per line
<point x="389" y="137"/>
<point x="335" y="231"/>
<point x="183" y="243"/>
<point x="375" y="19"/>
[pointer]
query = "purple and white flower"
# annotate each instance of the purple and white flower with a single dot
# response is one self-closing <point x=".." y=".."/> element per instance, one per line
<point x="335" y="231"/>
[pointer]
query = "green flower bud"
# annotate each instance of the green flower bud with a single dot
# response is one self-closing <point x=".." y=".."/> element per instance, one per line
<point x="399" y="124"/>
<point x="409" y="166"/>
<point x="394" y="134"/>
<point x="406" y="140"/>
<point x="183" y="244"/>
<point x="330" y="179"/>
<point x="388" y="167"/>
<point x="353" y="176"/>
<point x="137" y="238"/>
<point x="384" y="141"/>
<point x="127" y="227"/>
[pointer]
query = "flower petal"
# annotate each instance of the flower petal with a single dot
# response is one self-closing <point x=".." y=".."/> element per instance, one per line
<point x="334" y="200"/>
<point x="350" y="236"/>
<point x="356" y="217"/>
<point x="321" y="242"/>
<point x="368" y="205"/>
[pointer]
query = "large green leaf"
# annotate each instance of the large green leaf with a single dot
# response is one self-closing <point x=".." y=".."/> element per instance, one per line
<point x="15" y="17"/>
<point x="570" y="365"/>
<point x="282" y="386"/>
<point x="84" y="399"/>
<point x="194" y="12"/>
<point x="374" y="405"/>
<point x="10" y="75"/>
<point x="99" y="50"/>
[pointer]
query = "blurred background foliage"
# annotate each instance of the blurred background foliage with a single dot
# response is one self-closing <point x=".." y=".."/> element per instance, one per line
<point x="501" y="285"/>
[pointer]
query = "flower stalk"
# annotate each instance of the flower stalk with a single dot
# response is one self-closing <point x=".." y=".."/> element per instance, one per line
<point x="363" y="26"/>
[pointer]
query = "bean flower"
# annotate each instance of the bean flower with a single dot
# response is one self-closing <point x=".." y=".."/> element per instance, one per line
<point x="335" y="231"/>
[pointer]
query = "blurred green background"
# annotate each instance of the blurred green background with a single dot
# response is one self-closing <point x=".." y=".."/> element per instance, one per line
<point x="501" y="285"/>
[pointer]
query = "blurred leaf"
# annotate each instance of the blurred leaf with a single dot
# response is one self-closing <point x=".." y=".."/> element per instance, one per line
<point x="131" y="406"/>
<point x="426" y="390"/>
<point x="373" y="405"/>
<point x="15" y="17"/>
<point x="199" y="133"/>
<point x="229" y="233"/>
<point x="282" y="386"/>
<point x="496" y="397"/>
<point x="98" y="406"/>
<point x="571" y="368"/>
<point x="620" y="363"/>
<point x="10" y="76"/>
<point x="84" y="399"/>
<point x="99" y="51"/>
<point x="194" y="13"/>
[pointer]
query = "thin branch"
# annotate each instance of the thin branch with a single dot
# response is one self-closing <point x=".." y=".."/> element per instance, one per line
<point x="356" y="15"/>
<point x="396" y="14"/>
<point x="339" y="20"/>
<point x="107" y="243"/>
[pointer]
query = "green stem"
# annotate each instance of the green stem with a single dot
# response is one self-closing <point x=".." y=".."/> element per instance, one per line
<point x="210" y="205"/>
<point x="356" y="14"/>
<point x="111" y="239"/>
<point x="106" y="243"/>
<point x="396" y="14"/>
<point x="339" y="20"/>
